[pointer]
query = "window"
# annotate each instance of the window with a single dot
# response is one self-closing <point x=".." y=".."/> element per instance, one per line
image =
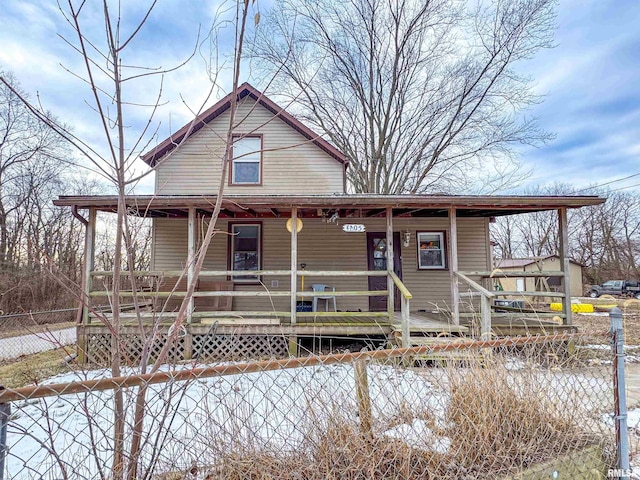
<point x="246" y="164"/>
<point x="431" y="253"/>
<point x="246" y="250"/>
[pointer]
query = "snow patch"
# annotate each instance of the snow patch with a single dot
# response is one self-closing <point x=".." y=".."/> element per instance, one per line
<point x="419" y="436"/>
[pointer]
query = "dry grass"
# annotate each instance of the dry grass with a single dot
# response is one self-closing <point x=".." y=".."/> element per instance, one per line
<point x="497" y="426"/>
<point x="501" y="425"/>
<point x="340" y="451"/>
<point x="591" y="325"/>
<point x="32" y="369"/>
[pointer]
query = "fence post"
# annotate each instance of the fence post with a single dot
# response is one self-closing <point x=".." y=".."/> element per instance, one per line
<point x="619" y="390"/>
<point x="364" y="399"/>
<point x="5" y="413"/>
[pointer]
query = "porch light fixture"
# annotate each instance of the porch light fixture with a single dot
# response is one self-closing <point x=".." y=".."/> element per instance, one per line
<point x="406" y="238"/>
<point x="299" y="225"/>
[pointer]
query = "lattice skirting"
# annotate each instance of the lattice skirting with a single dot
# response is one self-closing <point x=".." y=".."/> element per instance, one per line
<point x="201" y="347"/>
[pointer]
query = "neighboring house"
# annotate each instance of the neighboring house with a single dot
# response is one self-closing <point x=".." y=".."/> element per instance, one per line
<point x="549" y="263"/>
<point x="389" y="261"/>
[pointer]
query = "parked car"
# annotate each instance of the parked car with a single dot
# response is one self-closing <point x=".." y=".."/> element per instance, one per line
<point x="622" y="288"/>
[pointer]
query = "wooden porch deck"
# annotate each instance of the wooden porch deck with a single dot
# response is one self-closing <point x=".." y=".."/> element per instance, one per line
<point x="431" y="324"/>
<point x="229" y="336"/>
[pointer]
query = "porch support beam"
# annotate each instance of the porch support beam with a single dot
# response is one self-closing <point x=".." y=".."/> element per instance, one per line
<point x="89" y="259"/>
<point x="453" y="266"/>
<point x="563" y="234"/>
<point x="191" y="258"/>
<point x="294" y="263"/>
<point x="390" y="256"/>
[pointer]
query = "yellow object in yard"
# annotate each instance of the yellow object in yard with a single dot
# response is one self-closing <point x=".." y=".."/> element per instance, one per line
<point x="575" y="307"/>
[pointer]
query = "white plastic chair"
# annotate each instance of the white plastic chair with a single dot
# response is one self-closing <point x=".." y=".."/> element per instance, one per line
<point x="320" y="288"/>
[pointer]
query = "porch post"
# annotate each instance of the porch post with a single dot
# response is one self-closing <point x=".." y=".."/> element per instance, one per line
<point x="294" y="263"/>
<point x="453" y="266"/>
<point x="89" y="260"/>
<point x="563" y="233"/>
<point x="88" y="264"/>
<point x="191" y="257"/>
<point x="390" y="256"/>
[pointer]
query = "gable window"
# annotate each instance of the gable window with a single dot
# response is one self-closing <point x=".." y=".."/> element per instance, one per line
<point x="246" y="162"/>
<point x="431" y="254"/>
<point x="246" y="246"/>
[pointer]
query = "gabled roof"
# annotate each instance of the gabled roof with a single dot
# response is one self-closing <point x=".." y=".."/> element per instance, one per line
<point x="244" y="90"/>
<point x="524" y="262"/>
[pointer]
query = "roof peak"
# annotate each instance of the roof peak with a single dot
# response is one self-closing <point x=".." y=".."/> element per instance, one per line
<point x="152" y="156"/>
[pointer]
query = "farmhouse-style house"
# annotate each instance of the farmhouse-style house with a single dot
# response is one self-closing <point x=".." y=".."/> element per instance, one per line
<point x="298" y="258"/>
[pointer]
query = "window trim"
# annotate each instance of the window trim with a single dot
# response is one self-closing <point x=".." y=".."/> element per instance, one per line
<point x="444" y="248"/>
<point x="260" y="171"/>
<point x="257" y="280"/>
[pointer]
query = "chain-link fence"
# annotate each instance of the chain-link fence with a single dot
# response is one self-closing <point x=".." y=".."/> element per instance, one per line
<point x="460" y="410"/>
<point x="27" y="333"/>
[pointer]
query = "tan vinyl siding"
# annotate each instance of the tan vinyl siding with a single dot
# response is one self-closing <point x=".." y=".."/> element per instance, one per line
<point x="291" y="164"/>
<point x="549" y="265"/>
<point x="324" y="246"/>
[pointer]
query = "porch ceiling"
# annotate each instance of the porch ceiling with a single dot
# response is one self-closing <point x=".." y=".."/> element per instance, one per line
<point x="354" y="206"/>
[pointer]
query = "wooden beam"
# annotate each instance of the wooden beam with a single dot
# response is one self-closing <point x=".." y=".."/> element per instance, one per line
<point x="275" y="212"/>
<point x="294" y="263"/>
<point x="497" y="273"/>
<point x="515" y="293"/>
<point x="343" y="273"/>
<point x="359" y="293"/>
<point x="563" y="233"/>
<point x="251" y="212"/>
<point x="182" y="294"/>
<point x="515" y="314"/>
<point x="401" y="286"/>
<point x="89" y="259"/>
<point x="88" y="264"/>
<point x="364" y="398"/>
<point x="453" y="266"/>
<point x="485" y="318"/>
<point x="412" y="211"/>
<point x="228" y="273"/>
<point x="228" y="212"/>
<point x="390" y="256"/>
<point x="342" y="314"/>
<point x="406" y="319"/>
<point x="375" y="212"/>
<point x="476" y="286"/>
<point x="191" y="257"/>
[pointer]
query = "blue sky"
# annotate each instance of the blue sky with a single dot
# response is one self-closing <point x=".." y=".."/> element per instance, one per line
<point x="592" y="97"/>
<point x="590" y="79"/>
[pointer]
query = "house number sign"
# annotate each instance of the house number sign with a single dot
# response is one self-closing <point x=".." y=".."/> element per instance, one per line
<point x="353" y="228"/>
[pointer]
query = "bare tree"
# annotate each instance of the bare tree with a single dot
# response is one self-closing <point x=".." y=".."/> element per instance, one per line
<point x="31" y="157"/>
<point x="421" y="96"/>
<point x="107" y="74"/>
<point x="604" y="238"/>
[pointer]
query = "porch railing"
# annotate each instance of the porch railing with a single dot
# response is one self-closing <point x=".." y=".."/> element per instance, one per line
<point x="178" y="294"/>
<point x="487" y="296"/>
<point x="405" y="298"/>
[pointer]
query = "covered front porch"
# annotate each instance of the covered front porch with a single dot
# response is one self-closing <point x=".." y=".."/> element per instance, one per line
<point x="447" y="302"/>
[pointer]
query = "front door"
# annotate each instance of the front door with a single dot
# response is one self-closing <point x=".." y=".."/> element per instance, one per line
<point x="377" y="260"/>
